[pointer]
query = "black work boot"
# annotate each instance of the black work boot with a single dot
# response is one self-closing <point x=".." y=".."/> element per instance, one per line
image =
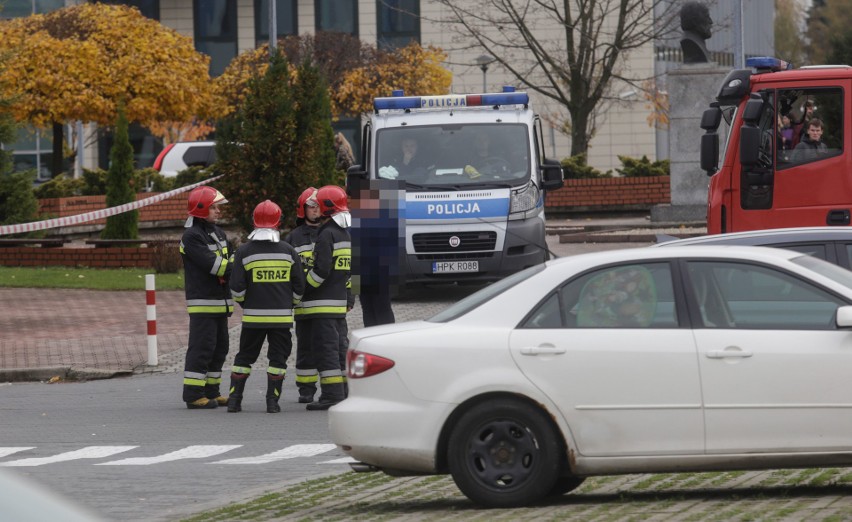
<point x="202" y="404"/>
<point x="273" y="392"/>
<point x="331" y="394"/>
<point x="211" y="389"/>
<point x="235" y="397"/>
<point x="306" y="393"/>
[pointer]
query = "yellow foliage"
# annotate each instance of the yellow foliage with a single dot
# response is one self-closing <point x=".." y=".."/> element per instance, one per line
<point x="657" y="103"/>
<point x="80" y="62"/>
<point x="414" y="69"/>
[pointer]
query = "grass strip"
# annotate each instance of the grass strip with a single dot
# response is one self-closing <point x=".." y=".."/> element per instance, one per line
<point x="90" y="278"/>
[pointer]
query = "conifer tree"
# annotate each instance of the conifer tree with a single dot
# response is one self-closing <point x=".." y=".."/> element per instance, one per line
<point x="120" y="184"/>
<point x="314" y="135"/>
<point x="256" y="144"/>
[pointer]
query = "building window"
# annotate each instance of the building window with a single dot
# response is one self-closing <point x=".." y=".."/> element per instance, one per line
<point x="145" y="146"/>
<point x="398" y="23"/>
<point x="337" y="15"/>
<point x="148" y="8"/>
<point x="21" y="8"/>
<point x="285" y="16"/>
<point x="33" y="150"/>
<point x="216" y="32"/>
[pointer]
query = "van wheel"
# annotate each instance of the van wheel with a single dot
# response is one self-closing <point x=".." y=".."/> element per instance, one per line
<point x="504" y="453"/>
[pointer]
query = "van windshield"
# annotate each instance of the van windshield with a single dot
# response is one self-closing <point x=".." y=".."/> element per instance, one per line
<point x="455" y="155"/>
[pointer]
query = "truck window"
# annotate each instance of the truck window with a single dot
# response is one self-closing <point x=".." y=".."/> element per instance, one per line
<point x="810" y="126"/>
<point x="464" y="154"/>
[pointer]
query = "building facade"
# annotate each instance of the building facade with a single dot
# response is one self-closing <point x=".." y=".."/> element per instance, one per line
<point x="225" y="28"/>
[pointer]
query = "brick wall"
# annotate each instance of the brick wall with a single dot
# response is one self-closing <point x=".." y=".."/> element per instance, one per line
<point x="170" y="209"/>
<point x="92" y="257"/>
<point x="609" y="194"/>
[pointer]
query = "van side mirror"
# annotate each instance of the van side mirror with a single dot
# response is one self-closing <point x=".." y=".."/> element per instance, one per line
<point x="711" y="118"/>
<point x="749" y="145"/>
<point x="354" y="174"/>
<point x="552" y="177"/>
<point x="753" y="110"/>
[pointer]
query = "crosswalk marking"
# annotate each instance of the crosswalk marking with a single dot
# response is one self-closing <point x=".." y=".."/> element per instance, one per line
<point x="90" y="452"/>
<point x="190" y="452"/>
<point x="291" y="452"/>
<point x="5" y="452"/>
<point x="345" y="460"/>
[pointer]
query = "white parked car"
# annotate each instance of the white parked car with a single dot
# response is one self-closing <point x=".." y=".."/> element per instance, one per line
<point x="633" y="361"/>
<point x="179" y="156"/>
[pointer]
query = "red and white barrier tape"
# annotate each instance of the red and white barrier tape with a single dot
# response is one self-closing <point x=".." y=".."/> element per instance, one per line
<point x="151" y="313"/>
<point x="96" y="214"/>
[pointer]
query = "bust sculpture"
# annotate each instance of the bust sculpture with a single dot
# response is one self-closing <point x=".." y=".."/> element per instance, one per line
<point x="696" y="23"/>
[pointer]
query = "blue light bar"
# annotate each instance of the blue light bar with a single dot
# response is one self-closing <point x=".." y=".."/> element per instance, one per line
<point x="768" y="63"/>
<point x="451" y="101"/>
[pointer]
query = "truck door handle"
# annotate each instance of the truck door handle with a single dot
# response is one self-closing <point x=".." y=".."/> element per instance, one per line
<point x="837" y="217"/>
<point x="541" y="350"/>
<point x="728" y="354"/>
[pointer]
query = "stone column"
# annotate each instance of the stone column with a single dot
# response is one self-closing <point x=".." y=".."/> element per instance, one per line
<point x="691" y="89"/>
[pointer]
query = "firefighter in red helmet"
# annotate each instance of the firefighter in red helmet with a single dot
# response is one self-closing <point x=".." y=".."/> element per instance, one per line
<point x="207" y="262"/>
<point x="268" y="282"/>
<point x="327" y="294"/>
<point x="303" y="238"/>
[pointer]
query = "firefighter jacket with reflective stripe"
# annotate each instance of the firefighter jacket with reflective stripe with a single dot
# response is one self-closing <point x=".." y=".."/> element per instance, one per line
<point x="207" y="266"/>
<point x="267" y="281"/>
<point x="327" y="292"/>
<point x="303" y="239"/>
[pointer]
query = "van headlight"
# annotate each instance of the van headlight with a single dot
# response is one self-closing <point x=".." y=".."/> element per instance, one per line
<point x="525" y="201"/>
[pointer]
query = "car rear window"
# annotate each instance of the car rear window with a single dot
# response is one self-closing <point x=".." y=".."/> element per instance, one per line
<point x="474" y="300"/>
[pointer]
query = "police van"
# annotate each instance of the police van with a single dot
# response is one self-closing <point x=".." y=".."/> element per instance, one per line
<point x="474" y="172"/>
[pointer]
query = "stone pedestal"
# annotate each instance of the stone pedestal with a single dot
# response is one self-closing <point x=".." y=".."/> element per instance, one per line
<point x="691" y="89"/>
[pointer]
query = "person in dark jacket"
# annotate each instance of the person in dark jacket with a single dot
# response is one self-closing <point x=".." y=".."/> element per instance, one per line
<point x="327" y="294"/>
<point x="267" y="281"/>
<point x="207" y="267"/>
<point x="811" y="147"/>
<point x="378" y="241"/>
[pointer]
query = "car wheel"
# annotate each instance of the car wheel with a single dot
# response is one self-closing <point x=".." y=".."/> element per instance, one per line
<point x="504" y="453"/>
<point x="565" y="485"/>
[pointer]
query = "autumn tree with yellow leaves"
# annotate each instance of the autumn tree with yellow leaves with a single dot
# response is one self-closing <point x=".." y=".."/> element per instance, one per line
<point x="82" y="62"/>
<point x="360" y="73"/>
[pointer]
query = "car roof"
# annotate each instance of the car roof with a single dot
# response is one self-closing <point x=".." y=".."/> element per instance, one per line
<point x="768" y="237"/>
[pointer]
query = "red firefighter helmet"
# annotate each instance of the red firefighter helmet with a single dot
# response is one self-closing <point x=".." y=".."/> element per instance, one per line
<point x="201" y="199"/>
<point x="309" y="194"/>
<point x="267" y="215"/>
<point x="332" y="200"/>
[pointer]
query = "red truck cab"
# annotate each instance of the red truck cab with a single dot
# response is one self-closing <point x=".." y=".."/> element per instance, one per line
<point x="787" y="159"/>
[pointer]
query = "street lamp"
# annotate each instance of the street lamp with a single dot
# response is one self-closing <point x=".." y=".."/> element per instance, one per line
<point x="484" y="61"/>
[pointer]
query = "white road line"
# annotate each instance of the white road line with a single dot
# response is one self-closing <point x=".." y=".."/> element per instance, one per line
<point x="345" y="460"/>
<point x="90" y="452"/>
<point x="5" y="452"/>
<point x="291" y="452"/>
<point x="190" y="452"/>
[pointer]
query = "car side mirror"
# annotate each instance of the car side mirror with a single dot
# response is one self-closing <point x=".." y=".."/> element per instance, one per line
<point x="844" y="317"/>
<point x="710" y="153"/>
<point x="552" y="177"/>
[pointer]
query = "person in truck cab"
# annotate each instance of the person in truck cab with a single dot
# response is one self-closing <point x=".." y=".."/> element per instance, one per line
<point x="811" y="147"/>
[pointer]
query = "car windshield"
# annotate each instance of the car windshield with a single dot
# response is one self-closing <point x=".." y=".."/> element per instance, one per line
<point x="474" y="300"/>
<point x="457" y="156"/>
<point x="824" y="268"/>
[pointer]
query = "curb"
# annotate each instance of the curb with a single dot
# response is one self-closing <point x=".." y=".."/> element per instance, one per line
<point x="59" y="373"/>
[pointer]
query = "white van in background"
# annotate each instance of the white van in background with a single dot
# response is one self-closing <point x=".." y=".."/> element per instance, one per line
<point x="182" y="155"/>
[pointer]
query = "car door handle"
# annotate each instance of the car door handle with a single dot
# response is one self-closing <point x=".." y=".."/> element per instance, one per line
<point x="540" y="350"/>
<point x="728" y="354"/>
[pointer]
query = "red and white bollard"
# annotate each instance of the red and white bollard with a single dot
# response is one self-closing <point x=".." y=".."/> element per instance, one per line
<point x="151" y="312"/>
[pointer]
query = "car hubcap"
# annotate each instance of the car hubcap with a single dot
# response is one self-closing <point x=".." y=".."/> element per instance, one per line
<point x="503" y="454"/>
